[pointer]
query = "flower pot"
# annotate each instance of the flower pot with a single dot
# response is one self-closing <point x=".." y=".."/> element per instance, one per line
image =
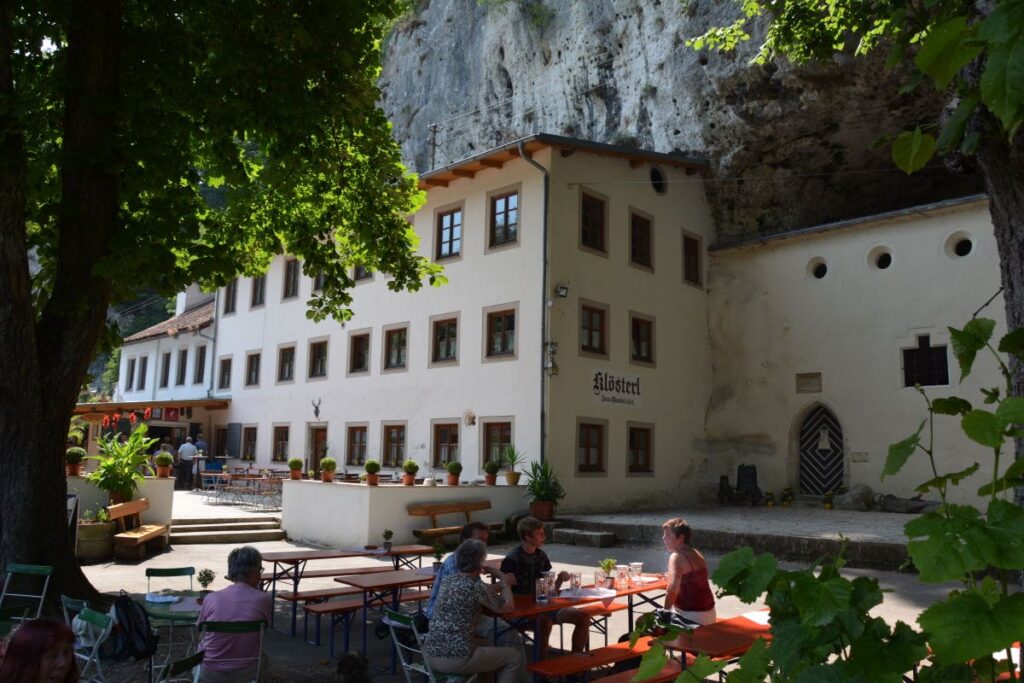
<point x="408" y="479"/>
<point x="828" y="506"/>
<point x="387" y="546"/>
<point x="326" y="477"/>
<point x="512" y="478"/>
<point x="372" y="479"/>
<point x="453" y="480"/>
<point x="490" y="479"/>
<point x="295" y="474"/>
<point x="95" y="541"/>
<point x="543" y="510"/>
<point x="117" y="498"/>
<point x="73" y="470"/>
<point x="163" y="471"/>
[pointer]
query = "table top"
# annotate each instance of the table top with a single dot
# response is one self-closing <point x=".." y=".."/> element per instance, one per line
<point x="526" y="604"/>
<point x="399" y="578"/>
<point x="162" y="610"/>
<point x="293" y="556"/>
<point x="725" y="638"/>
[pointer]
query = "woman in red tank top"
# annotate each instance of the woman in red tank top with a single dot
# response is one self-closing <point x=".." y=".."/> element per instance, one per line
<point x="689" y="590"/>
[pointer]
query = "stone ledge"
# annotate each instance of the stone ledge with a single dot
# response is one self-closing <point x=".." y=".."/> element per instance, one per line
<point x="595" y="539"/>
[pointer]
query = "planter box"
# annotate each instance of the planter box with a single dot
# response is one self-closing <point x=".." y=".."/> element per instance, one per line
<point x="95" y="541"/>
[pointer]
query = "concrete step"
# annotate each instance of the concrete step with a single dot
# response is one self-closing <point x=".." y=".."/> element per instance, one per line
<point x="225" y="526"/>
<point x="238" y="536"/>
<point x="224" y="520"/>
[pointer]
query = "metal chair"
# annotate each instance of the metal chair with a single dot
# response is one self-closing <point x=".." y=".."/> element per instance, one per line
<point x="169" y="572"/>
<point x="9" y="615"/>
<point x="188" y="665"/>
<point x="22" y="572"/>
<point x="237" y="628"/>
<point x="414" y="663"/>
<point x="90" y="653"/>
<point x="72" y="607"/>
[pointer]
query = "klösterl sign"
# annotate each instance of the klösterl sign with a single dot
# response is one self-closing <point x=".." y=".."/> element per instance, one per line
<point x="620" y="390"/>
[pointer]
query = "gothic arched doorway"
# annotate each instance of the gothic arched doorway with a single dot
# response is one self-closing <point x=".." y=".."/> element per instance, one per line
<point x="821" y="452"/>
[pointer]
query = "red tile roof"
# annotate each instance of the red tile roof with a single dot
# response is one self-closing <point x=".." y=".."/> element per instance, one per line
<point x="191" y="320"/>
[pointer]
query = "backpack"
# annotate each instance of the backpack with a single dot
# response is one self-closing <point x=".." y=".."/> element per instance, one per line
<point x="136" y="638"/>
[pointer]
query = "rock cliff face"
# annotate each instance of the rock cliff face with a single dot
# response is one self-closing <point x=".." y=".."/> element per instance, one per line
<point x="787" y="147"/>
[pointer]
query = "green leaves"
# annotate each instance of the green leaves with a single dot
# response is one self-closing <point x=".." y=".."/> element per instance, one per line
<point x="1013" y="343"/>
<point x="945" y="50"/>
<point x="900" y="451"/>
<point x="911" y="150"/>
<point x="951" y="406"/>
<point x="984" y="427"/>
<point x="701" y="669"/>
<point x="947" y="546"/>
<point x="652" y="661"/>
<point x="968" y="341"/>
<point x="744" y="575"/>
<point x="967" y="626"/>
<point x="943" y="480"/>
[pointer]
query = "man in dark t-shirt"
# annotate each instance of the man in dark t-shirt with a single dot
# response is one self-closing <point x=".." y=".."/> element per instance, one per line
<point x="524" y="565"/>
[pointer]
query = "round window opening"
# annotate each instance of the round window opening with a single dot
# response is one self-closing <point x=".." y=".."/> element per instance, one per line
<point x="658" y="181"/>
<point x="820" y="271"/>
<point x="963" y="247"/>
<point x="883" y="260"/>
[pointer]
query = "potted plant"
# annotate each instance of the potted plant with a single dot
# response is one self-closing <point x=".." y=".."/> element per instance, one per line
<point x="311" y="474"/>
<point x="295" y="468"/>
<point x="388" y="535"/>
<point x="786" y="497"/>
<point x="511" y="456"/>
<point x="73" y="458"/>
<point x="454" y="470"/>
<point x="544" y="490"/>
<point x="327" y="468"/>
<point x="121" y="464"/>
<point x="409" y="469"/>
<point x="205" y="577"/>
<point x="164" y="462"/>
<point x="491" y="472"/>
<point x="826" y="502"/>
<point x="95" y="536"/>
<point x="769" y="499"/>
<point x="438" y="553"/>
<point x="608" y="566"/>
<point x="372" y="468"/>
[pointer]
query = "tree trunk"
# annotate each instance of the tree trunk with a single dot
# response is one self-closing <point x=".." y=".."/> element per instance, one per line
<point x="43" y="361"/>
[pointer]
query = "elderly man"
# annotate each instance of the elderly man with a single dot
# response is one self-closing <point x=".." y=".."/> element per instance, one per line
<point x="231" y="657"/>
<point x="186" y="462"/>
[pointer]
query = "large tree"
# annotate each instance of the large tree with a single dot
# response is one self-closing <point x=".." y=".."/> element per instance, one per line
<point x="153" y="143"/>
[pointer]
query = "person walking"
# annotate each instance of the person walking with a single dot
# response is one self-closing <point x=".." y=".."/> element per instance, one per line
<point x="186" y="462"/>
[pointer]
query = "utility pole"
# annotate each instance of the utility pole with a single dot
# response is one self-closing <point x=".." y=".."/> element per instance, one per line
<point x="432" y="143"/>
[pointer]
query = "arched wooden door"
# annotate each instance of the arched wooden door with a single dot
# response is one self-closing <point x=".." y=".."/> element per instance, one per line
<point x="821" y="452"/>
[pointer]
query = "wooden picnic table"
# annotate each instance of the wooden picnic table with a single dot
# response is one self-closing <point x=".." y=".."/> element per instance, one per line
<point x="725" y="639"/>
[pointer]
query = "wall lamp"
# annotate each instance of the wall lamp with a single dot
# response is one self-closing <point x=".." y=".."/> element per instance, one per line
<point x="561" y="291"/>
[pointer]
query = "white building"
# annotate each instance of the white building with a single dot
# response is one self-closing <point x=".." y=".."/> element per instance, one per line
<point x="583" y="323"/>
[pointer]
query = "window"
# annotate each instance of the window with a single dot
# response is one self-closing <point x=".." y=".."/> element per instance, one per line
<point x="252" y="370"/>
<point x="501" y="333"/>
<point x="165" y="370"/>
<point x="394" y="445"/>
<point x="356" y="454"/>
<point x="318" y="281"/>
<point x="641" y="339"/>
<point x="446" y="444"/>
<point x="129" y="380"/>
<point x="640" y="241"/>
<point x="359" y="353"/>
<point x="445" y="340"/>
<point x="504" y="219"/>
<point x="291" y="279"/>
<point x="497" y="437"/>
<point x="926" y="365"/>
<point x="182" y="367"/>
<point x="394" y="349"/>
<point x="259" y="291"/>
<point x="361" y="273"/>
<point x="199" y="371"/>
<point x="691" y="260"/>
<point x="592" y="327"/>
<point x="590" y="447"/>
<point x="280" y="443"/>
<point x="230" y="295"/>
<point x="143" y="371"/>
<point x="592" y="223"/>
<point x="318" y="359"/>
<point x="449" y="234"/>
<point x="286" y="364"/>
<point x="640" y="449"/>
<point x="249" y="443"/>
<point x="224" y="381"/>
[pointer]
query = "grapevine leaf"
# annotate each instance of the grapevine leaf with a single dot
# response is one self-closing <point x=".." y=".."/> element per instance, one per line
<point x="900" y="451"/>
<point x="1013" y="343"/>
<point x="968" y="341"/>
<point x="951" y="406"/>
<point x="946" y="50"/>
<point x="701" y="669"/>
<point x="965" y="626"/>
<point x="652" y="662"/>
<point x="1011" y="410"/>
<point x="944" y="548"/>
<point x="744" y="575"/>
<point x="984" y="427"/>
<point x="1004" y="525"/>
<point x="944" y="479"/>
<point x="953" y="132"/>
<point x="753" y="665"/>
<point x="1002" y="83"/>
<point x="911" y="150"/>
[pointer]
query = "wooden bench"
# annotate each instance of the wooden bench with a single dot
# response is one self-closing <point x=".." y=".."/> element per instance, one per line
<point x="433" y="510"/>
<point x="571" y="665"/>
<point x="267" y="577"/>
<point x="669" y="672"/>
<point x="317" y="595"/>
<point x="131" y="535"/>
<point x="342" y="610"/>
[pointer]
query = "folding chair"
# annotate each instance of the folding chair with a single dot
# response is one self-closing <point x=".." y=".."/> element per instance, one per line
<point x="169" y="572"/>
<point x="237" y="628"/>
<point x="189" y="665"/>
<point x="72" y="607"/>
<point x="9" y="615"/>
<point x="90" y="653"/>
<point x="21" y="572"/>
<point x="412" y="659"/>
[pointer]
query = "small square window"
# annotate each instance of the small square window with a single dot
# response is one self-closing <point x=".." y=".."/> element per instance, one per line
<point x="592" y="330"/>
<point x="395" y="349"/>
<point x="182" y="367"/>
<point x="504" y="219"/>
<point x="286" y="364"/>
<point x="249" y="443"/>
<point x="446" y="444"/>
<point x="640" y="241"/>
<point x="445" y="340"/>
<point x="199" y="372"/>
<point x="281" y="443"/>
<point x="356" y="454"/>
<point x="640" y="445"/>
<point x="318" y="359"/>
<point x="291" y="279"/>
<point x="501" y="333"/>
<point x="143" y="371"/>
<point x="359" y="353"/>
<point x="692" y="261"/>
<point x="497" y="437"/>
<point x="129" y="380"/>
<point x="224" y="378"/>
<point x="165" y="370"/>
<point x="252" y="370"/>
<point x="318" y="281"/>
<point x="926" y="365"/>
<point x="592" y="223"/>
<point x="449" y="234"/>
<point x="590" y="447"/>
<point x="641" y="340"/>
<point x="230" y="296"/>
<point x="259" y="291"/>
<point x="394" y="445"/>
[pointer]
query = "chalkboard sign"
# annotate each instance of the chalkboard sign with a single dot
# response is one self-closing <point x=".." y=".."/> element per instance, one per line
<point x="233" y="447"/>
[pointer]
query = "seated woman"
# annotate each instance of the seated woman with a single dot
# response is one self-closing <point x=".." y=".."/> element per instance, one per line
<point x="689" y="591"/>
<point x="450" y="646"/>
<point x="39" y="651"/>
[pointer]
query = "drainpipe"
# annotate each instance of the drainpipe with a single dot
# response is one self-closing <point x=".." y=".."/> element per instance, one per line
<point x="213" y="341"/>
<point x="543" y="302"/>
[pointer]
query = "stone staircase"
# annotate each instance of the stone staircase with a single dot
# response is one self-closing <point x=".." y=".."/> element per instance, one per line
<point x="226" y="530"/>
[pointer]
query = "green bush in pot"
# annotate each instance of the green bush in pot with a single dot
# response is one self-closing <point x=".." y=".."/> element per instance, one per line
<point x="122" y="464"/>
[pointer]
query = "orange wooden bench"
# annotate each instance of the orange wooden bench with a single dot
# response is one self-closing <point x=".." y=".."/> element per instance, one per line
<point x="335" y="571"/>
<point x="669" y="672"/>
<point x="341" y="610"/>
<point x="433" y="510"/>
<point x="131" y="535"/>
<point x="582" y="662"/>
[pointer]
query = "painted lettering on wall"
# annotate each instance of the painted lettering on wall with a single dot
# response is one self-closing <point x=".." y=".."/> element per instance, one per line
<point x="611" y="389"/>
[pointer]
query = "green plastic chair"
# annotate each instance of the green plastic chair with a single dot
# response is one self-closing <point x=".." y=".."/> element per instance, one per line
<point x="189" y="664"/>
<point x="412" y="659"/>
<point x="21" y="572"/>
<point x="72" y="607"/>
<point x="10" y="615"/>
<point x="237" y="628"/>
<point x="89" y="655"/>
<point x="168" y="572"/>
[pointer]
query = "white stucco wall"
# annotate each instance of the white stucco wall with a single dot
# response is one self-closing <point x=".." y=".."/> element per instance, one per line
<point x="353" y="515"/>
<point x="770" y="319"/>
<point x="159" y="492"/>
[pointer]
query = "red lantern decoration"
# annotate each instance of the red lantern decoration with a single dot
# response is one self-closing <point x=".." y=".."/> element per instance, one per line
<point x="132" y="417"/>
<point x="116" y="419"/>
<point x="106" y="421"/>
<point x="147" y="414"/>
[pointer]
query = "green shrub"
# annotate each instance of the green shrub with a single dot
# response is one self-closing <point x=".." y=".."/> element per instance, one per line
<point x="454" y="468"/>
<point x="295" y="463"/>
<point x="328" y="465"/>
<point x="491" y="467"/>
<point x="164" y="459"/>
<point x="372" y="467"/>
<point x="121" y="464"/>
<point x="74" y="455"/>
<point x="410" y="466"/>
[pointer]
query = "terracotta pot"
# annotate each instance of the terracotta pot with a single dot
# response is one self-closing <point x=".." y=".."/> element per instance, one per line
<point x="163" y="471"/>
<point x="408" y="479"/>
<point x="326" y="476"/>
<point x="73" y="470"/>
<point x="543" y="510"/>
<point x="117" y="498"/>
<point x="372" y="479"/>
<point x="295" y="474"/>
<point x="512" y="478"/>
<point x="453" y="480"/>
<point x="95" y="541"/>
<point x="490" y="479"/>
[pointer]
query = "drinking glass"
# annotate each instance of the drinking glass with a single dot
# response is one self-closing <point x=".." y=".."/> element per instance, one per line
<point x="542" y="591"/>
<point x="621" y="576"/>
<point x="575" y="582"/>
<point x="600" y="579"/>
<point x="636" y="570"/>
